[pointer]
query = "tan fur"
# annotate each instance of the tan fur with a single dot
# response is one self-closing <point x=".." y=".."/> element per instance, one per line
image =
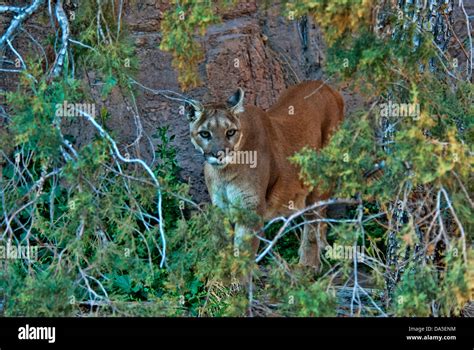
<point x="272" y="187"/>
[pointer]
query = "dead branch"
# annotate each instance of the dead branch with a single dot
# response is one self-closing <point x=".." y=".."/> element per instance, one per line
<point x="21" y="15"/>
<point x="64" y="25"/>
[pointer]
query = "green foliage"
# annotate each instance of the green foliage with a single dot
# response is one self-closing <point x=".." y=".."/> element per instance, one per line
<point x="351" y="153"/>
<point x="336" y="17"/>
<point x="87" y="223"/>
<point x="316" y="300"/>
<point x="113" y="54"/>
<point x="299" y="295"/>
<point x="425" y="288"/>
<point x="43" y="293"/>
<point x="35" y="122"/>
<point x="430" y="150"/>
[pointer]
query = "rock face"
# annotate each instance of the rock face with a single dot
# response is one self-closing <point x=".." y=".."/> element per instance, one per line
<point x="236" y="55"/>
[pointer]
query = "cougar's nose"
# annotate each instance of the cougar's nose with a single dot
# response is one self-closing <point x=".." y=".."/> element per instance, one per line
<point x="217" y="153"/>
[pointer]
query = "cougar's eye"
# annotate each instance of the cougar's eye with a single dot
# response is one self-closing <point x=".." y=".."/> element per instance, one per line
<point x="205" y="134"/>
<point x="231" y="132"/>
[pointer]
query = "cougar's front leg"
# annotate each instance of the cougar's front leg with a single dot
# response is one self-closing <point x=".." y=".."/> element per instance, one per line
<point x="312" y="241"/>
<point x="250" y="234"/>
<point x="244" y="234"/>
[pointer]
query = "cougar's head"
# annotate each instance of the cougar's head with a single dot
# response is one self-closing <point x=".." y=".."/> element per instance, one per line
<point x="216" y="128"/>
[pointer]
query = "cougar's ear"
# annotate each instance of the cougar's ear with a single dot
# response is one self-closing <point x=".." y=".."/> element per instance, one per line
<point x="192" y="110"/>
<point x="236" y="101"/>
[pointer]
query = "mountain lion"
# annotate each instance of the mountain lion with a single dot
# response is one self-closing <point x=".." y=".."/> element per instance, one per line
<point x="246" y="151"/>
